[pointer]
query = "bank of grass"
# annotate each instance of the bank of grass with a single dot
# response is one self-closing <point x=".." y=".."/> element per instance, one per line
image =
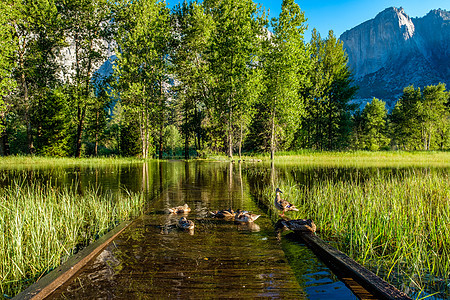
<point x="398" y="227"/>
<point x="40" y="227"/>
<point x="43" y="161"/>
<point x="347" y="158"/>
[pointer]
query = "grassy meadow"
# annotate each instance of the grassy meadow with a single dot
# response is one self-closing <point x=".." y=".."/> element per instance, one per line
<point x="41" y="226"/>
<point x="398" y="227"/>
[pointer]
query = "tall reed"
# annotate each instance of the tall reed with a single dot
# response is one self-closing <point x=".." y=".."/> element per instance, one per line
<point x="40" y="226"/>
<point x="398" y="227"/>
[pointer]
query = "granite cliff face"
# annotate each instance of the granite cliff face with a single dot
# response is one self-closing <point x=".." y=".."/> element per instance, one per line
<point x="393" y="51"/>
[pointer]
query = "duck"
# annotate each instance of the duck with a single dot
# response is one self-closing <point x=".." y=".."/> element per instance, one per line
<point x="241" y="216"/>
<point x="185" y="224"/>
<point x="304" y="225"/>
<point x="180" y="209"/>
<point x="282" y="204"/>
<point x="224" y="213"/>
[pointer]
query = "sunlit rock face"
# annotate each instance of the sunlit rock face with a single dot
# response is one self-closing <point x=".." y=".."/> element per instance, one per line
<point x="393" y="51"/>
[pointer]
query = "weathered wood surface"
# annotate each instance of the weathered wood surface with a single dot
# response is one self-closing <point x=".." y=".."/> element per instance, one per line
<point x="52" y="281"/>
<point x="341" y="262"/>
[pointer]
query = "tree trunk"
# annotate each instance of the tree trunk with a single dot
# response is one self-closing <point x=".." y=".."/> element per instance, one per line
<point x="230" y="138"/>
<point x="80" y="115"/>
<point x="186" y="146"/>
<point x="4" y="143"/>
<point x="240" y="141"/>
<point x="26" y="105"/>
<point x="272" y="137"/>
<point x="161" y="123"/>
<point x="96" y="134"/>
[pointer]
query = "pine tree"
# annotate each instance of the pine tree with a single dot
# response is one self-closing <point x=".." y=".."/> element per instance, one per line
<point x="328" y="109"/>
<point x="374" y="118"/>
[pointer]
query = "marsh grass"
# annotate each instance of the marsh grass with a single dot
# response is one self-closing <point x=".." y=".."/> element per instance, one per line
<point x="48" y="162"/>
<point x="347" y="158"/>
<point x="41" y="226"/>
<point x="398" y="227"/>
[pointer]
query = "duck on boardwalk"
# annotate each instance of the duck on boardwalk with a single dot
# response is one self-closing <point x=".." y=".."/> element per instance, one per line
<point x="180" y="209"/>
<point x="223" y="214"/>
<point x="185" y="224"/>
<point x="241" y="216"/>
<point x="304" y="225"/>
<point x="282" y="204"/>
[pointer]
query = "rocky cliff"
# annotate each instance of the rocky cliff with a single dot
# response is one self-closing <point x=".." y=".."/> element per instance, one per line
<point x="393" y="51"/>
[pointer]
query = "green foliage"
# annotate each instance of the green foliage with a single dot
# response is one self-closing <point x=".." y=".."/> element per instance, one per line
<point x="285" y="63"/>
<point x="7" y="48"/>
<point x="211" y="70"/>
<point x="327" y="122"/>
<point x="374" y="126"/>
<point x="233" y="53"/>
<point x="194" y="29"/>
<point x="54" y="125"/>
<point x="130" y="142"/>
<point x="421" y="120"/>
<point x="88" y="26"/>
<point x="143" y="39"/>
<point x="172" y="139"/>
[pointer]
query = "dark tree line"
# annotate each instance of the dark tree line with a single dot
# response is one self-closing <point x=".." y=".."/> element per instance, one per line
<point x="215" y="76"/>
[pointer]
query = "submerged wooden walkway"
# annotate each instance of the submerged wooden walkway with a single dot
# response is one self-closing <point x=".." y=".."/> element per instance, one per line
<point x="364" y="283"/>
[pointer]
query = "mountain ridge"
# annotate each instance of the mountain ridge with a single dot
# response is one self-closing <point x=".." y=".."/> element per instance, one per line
<point x="392" y="51"/>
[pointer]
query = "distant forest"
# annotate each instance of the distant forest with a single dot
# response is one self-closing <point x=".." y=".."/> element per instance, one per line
<point x="209" y="77"/>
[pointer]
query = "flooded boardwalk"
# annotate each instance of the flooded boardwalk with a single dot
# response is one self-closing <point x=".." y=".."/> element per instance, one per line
<point x="219" y="259"/>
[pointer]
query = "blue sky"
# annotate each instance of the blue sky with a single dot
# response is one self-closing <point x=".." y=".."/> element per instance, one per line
<point x="343" y="15"/>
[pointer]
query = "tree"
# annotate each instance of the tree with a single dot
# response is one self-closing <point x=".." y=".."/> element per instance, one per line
<point x="374" y="117"/>
<point x="88" y="29"/>
<point x="328" y="109"/>
<point x="7" y="49"/>
<point x="232" y="58"/>
<point x="434" y="116"/>
<point x="285" y="65"/>
<point x="54" y="124"/>
<point x="193" y="30"/>
<point x="405" y="126"/>
<point x="142" y="66"/>
<point x="37" y="37"/>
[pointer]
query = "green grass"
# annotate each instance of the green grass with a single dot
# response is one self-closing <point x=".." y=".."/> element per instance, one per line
<point x="398" y="227"/>
<point x="349" y="158"/>
<point x="40" y="227"/>
<point x="42" y="161"/>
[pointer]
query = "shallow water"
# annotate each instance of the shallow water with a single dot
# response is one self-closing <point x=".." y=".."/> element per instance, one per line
<point x="219" y="259"/>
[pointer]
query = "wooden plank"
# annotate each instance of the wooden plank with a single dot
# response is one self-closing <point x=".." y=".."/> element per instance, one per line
<point x="341" y="261"/>
<point x="53" y="280"/>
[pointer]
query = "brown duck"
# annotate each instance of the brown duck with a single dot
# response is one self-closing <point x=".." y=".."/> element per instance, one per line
<point x="185" y="224"/>
<point x="180" y="209"/>
<point x="223" y="214"/>
<point x="241" y="216"/>
<point x="282" y="204"/>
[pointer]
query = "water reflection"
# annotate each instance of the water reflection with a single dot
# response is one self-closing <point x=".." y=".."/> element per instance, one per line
<point x="154" y="259"/>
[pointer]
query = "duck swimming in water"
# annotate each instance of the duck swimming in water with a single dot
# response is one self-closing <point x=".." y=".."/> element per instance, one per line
<point x="223" y="214"/>
<point x="185" y="224"/>
<point x="282" y="204"/>
<point x="241" y="216"/>
<point x="180" y="209"/>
